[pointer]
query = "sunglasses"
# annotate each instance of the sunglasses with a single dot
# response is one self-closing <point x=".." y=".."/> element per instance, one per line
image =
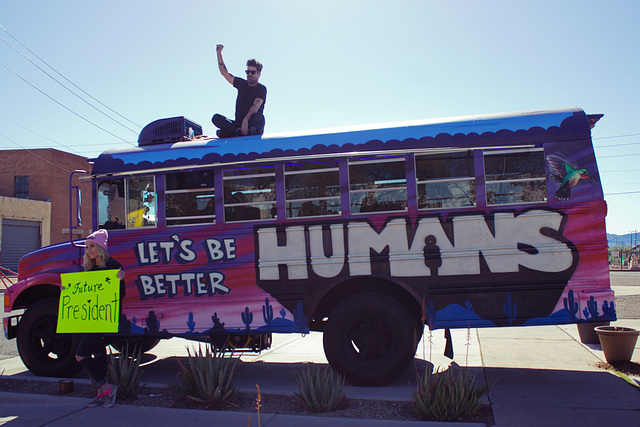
<point x="252" y="72"/>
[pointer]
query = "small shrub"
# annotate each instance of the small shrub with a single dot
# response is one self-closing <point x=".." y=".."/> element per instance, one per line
<point x="258" y="405"/>
<point x="447" y="396"/>
<point x="125" y="372"/>
<point x="207" y="378"/>
<point x="322" y="390"/>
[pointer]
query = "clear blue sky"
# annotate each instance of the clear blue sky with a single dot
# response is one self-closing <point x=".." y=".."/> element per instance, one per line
<point x="327" y="63"/>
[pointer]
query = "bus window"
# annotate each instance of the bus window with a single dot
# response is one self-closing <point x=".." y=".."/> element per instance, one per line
<point x="377" y="185"/>
<point x="446" y="180"/>
<point x="190" y="198"/>
<point x="515" y="176"/>
<point x="312" y="189"/>
<point x="249" y="194"/>
<point x="111" y="204"/>
<point x="141" y="201"/>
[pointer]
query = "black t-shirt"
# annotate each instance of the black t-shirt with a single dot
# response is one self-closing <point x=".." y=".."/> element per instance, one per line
<point x="246" y="95"/>
<point x="112" y="264"/>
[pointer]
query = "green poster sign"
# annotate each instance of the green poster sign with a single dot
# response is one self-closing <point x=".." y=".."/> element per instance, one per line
<point x="89" y="302"/>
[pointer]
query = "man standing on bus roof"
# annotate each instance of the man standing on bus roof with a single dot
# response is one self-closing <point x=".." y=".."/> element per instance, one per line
<point x="249" y="103"/>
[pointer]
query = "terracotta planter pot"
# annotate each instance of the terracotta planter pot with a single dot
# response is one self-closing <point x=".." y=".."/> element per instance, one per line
<point x="587" y="332"/>
<point x="65" y="386"/>
<point x="617" y="342"/>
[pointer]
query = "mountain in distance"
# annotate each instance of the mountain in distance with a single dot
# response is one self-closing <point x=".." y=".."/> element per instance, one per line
<point x="623" y="240"/>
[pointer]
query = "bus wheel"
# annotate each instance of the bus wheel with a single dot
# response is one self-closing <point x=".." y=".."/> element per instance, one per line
<point x="369" y="338"/>
<point x="44" y="352"/>
<point x="145" y="344"/>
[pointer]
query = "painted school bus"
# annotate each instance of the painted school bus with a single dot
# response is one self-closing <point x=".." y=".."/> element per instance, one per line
<point x="366" y="234"/>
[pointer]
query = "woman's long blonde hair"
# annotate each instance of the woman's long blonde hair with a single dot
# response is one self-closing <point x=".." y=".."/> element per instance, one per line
<point x="89" y="264"/>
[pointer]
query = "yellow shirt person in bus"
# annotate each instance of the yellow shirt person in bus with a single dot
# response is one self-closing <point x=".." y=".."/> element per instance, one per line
<point x="146" y="215"/>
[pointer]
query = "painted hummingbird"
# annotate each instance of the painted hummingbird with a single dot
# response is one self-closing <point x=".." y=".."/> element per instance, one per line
<point x="567" y="176"/>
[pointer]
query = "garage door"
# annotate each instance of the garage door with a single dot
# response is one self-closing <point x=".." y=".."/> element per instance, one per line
<point x="18" y="238"/>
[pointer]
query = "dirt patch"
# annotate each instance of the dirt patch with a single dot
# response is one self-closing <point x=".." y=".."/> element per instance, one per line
<point x="245" y="402"/>
<point x="627" y="368"/>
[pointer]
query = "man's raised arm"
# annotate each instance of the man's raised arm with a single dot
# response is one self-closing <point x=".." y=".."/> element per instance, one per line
<point x="223" y="68"/>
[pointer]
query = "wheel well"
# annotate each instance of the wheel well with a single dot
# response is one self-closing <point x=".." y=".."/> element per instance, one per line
<point x="35" y="293"/>
<point x="361" y="285"/>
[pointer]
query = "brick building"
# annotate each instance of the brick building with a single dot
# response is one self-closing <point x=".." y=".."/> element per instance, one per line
<point x="34" y="201"/>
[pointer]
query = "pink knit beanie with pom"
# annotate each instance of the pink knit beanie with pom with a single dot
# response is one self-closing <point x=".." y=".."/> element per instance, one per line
<point x="99" y="238"/>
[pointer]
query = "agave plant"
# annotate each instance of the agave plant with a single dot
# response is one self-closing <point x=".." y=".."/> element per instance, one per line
<point x="322" y="390"/>
<point x="207" y="378"/>
<point x="125" y="372"/>
<point x="447" y="395"/>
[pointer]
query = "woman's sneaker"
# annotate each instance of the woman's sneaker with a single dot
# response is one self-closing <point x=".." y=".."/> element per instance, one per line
<point x="110" y="399"/>
<point x="98" y="400"/>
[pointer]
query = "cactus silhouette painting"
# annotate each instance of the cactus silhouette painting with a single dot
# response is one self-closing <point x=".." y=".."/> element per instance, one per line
<point x="510" y="309"/>
<point x="190" y="323"/>
<point x="247" y="317"/>
<point x="267" y="312"/>
<point x="570" y="306"/>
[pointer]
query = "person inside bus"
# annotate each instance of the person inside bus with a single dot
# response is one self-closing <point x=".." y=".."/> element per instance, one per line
<point x="113" y="223"/>
<point x="91" y="352"/>
<point x="250" y="102"/>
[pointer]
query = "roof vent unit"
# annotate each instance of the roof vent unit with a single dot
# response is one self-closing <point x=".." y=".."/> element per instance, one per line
<point x="169" y="130"/>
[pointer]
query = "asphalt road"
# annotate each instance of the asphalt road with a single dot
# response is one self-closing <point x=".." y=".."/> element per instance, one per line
<point x="625" y="278"/>
<point x="625" y="283"/>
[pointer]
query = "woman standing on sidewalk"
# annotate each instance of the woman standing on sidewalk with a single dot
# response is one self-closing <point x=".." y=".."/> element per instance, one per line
<point x="91" y="351"/>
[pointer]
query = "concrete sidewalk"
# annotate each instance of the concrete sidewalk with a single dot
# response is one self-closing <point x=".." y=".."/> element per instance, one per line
<point x="545" y="376"/>
<point x="538" y="376"/>
<point x="38" y="410"/>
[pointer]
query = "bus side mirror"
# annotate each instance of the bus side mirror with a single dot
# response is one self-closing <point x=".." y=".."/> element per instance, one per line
<point x="74" y="210"/>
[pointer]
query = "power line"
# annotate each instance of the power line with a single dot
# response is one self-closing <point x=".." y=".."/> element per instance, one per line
<point x="36" y="155"/>
<point x="627" y="183"/>
<point x="69" y="147"/>
<point x="96" y="144"/>
<point x="616" y="145"/>
<point x="617" y="136"/>
<point x="618" y="194"/>
<point x="70" y="91"/>
<point x="61" y="75"/>
<point x="62" y="105"/>
<point x="619" y="155"/>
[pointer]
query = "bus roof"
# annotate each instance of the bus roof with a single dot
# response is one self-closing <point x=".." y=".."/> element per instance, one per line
<point x="457" y="132"/>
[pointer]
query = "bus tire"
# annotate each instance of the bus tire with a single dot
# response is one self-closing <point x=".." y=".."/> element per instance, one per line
<point x="42" y="350"/>
<point x="145" y="344"/>
<point x="370" y="339"/>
